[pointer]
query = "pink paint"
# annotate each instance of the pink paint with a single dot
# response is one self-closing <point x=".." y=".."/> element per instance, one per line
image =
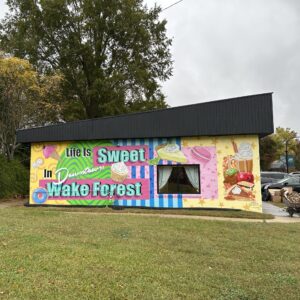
<point x="208" y="171"/>
<point x="144" y="189"/>
<point x="119" y="149"/>
<point x="48" y="150"/>
<point x="200" y="154"/>
<point x="147" y="171"/>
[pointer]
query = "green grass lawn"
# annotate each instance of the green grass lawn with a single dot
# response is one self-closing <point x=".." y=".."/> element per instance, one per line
<point x="188" y="212"/>
<point x="54" y="255"/>
<point x="225" y="213"/>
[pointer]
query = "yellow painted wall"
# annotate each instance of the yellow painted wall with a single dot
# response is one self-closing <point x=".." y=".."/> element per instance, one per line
<point x="225" y="148"/>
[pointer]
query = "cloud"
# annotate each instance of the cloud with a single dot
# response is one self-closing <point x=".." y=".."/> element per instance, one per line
<point x="3" y="8"/>
<point x="231" y="48"/>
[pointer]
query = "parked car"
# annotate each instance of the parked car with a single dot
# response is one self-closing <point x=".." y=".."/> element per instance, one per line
<point x="290" y="181"/>
<point x="264" y="180"/>
<point x="272" y="177"/>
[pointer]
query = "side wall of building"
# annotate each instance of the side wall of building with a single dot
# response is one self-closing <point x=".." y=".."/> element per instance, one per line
<point x="90" y="173"/>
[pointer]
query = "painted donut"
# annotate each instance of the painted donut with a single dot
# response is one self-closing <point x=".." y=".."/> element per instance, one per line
<point x="40" y="195"/>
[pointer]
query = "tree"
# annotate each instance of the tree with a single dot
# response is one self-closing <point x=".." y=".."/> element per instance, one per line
<point x="274" y="146"/>
<point x="113" y="53"/>
<point x="26" y="99"/>
<point x="285" y="137"/>
<point x="267" y="151"/>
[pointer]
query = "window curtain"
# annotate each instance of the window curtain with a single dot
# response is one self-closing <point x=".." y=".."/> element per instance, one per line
<point x="193" y="176"/>
<point x="164" y="175"/>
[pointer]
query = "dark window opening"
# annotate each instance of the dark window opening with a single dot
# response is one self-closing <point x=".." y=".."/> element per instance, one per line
<point x="178" y="179"/>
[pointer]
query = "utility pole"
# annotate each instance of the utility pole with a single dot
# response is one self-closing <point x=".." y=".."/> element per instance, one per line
<point x="287" y="156"/>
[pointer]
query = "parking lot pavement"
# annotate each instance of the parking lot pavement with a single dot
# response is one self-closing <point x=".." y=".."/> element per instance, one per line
<point x="269" y="208"/>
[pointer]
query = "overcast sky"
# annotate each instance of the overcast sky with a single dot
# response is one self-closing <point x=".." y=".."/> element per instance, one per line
<point x="232" y="48"/>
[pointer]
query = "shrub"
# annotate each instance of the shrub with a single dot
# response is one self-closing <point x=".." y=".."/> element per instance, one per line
<point x="14" y="178"/>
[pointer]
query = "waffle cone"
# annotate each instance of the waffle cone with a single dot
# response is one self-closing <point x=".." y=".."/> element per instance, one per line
<point x="55" y="155"/>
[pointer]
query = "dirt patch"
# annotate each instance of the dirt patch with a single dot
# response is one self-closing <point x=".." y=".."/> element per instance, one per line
<point x="4" y="203"/>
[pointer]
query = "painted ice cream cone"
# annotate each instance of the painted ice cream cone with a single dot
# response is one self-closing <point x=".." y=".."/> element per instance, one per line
<point x="49" y="151"/>
<point x="55" y="155"/>
<point x="39" y="161"/>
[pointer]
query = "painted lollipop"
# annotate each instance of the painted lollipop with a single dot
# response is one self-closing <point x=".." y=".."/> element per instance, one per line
<point x="39" y="161"/>
<point x="50" y="151"/>
<point x="35" y="165"/>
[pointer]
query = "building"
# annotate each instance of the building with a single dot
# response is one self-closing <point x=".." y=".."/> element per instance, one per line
<point x="203" y="155"/>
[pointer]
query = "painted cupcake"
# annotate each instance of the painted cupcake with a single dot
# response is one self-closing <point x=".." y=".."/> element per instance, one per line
<point x="119" y="172"/>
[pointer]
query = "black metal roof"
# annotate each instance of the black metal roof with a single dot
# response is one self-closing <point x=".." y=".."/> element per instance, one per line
<point x="243" y="115"/>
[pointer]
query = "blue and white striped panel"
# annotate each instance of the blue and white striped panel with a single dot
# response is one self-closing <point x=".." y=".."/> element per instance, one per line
<point x="142" y="175"/>
<point x="163" y="201"/>
<point x="151" y="172"/>
<point x="179" y="195"/>
<point x="121" y="202"/>
<point x="133" y="171"/>
<point x="168" y="200"/>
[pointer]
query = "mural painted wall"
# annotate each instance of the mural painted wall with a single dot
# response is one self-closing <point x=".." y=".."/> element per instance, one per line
<point x="219" y="172"/>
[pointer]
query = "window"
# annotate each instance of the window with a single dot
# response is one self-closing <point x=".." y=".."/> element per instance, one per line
<point x="178" y="179"/>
